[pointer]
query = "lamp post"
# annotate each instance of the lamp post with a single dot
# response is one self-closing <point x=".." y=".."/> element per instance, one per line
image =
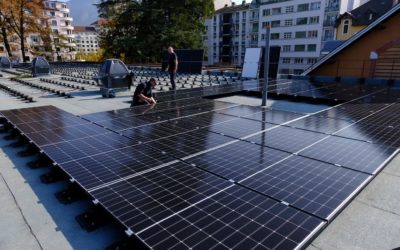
<point x="266" y="66"/>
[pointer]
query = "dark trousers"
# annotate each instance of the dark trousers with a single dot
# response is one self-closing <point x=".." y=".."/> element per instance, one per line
<point x="172" y="76"/>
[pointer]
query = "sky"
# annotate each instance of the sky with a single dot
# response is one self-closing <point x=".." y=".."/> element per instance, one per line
<point x="85" y="13"/>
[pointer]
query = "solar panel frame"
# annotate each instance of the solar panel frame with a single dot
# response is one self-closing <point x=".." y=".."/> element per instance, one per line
<point x="309" y="185"/>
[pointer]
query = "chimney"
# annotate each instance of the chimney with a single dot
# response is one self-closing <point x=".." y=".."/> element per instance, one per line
<point x="233" y="3"/>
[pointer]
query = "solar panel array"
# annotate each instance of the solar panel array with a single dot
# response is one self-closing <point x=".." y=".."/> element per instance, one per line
<point x="195" y="173"/>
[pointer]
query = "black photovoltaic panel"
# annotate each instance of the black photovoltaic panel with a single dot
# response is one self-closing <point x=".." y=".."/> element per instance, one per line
<point x="208" y="119"/>
<point x="320" y="124"/>
<point x="357" y="155"/>
<point x="386" y="117"/>
<point x="58" y="135"/>
<point x="90" y="146"/>
<point x="190" y="143"/>
<point x="143" y="200"/>
<point x="44" y="125"/>
<point x="238" y="160"/>
<point x="353" y="111"/>
<point x="239" y="128"/>
<point x="37" y="114"/>
<point x="241" y="110"/>
<point x="315" y="187"/>
<point x="158" y="131"/>
<point x="236" y="218"/>
<point x="386" y="135"/>
<point x="93" y="171"/>
<point x="274" y="116"/>
<point x="286" y="139"/>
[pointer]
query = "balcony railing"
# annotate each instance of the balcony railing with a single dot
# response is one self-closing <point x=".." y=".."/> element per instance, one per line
<point x="331" y="8"/>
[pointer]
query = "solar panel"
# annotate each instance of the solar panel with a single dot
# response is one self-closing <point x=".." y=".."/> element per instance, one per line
<point x="100" y="169"/>
<point x="353" y="111"/>
<point x="273" y="116"/>
<point x="50" y="124"/>
<point x="158" y="131"/>
<point x="385" y="135"/>
<point x="315" y="187"/>
<point x="63" y="134"/>
<point x="207" y="119"/>
<point x="189" y="143"/>
<point x="241" y="110"/>
<point x="357" y="155"/>
<point x="143" y="200"/>
<point x="286" y="139"/>
<point x="38" y="114"/>
<point x="90" y="146"/>
<point x="320" y="124"/>
<point x="235" y="218"/>
<point x="239" y="128"/>
<point x="238" y="160"/>
<point x="385" y="117"/>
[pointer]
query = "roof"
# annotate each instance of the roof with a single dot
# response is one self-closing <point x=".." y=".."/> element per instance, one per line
<point x="330" y="46"/>
<point x="84" y="29"/>
<point x="232" y="8"/>
<point x="99" y="22"/>
<point x="368" y="12"/>
<point x="355" y="38"/>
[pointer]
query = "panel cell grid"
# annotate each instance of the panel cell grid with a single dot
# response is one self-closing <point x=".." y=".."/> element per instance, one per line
<point x="273" y="116"/>
<point x="286" y="139"/>
<point x="100" y="169"/>
<point x="239" y="128"/>
<point x="190" y="143"/>
<point x="236" y="218"/>
<point x="237" y="160"/>
<point x="357" y="155"/>
<point x="316" y="187"/>
<point x="141" y="201"/>
<point x="90" y="146"/>
<point x="241" y="110"/>
<point x="320" y="124"/>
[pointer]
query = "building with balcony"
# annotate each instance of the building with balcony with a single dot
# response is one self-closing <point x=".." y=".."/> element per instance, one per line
<point x="227" y="34"/>
<point x="86" y="39"/>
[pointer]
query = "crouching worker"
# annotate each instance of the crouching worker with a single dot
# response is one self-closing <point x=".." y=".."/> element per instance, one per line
<point x="144" y="93"/>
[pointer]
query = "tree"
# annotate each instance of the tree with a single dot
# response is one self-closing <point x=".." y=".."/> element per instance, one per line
<point x="26" y="17"/>
<point x="142" y="29"/>
<point x="5" y="28"/>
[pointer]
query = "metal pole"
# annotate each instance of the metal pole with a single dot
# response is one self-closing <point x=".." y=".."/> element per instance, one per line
<point x="266" y="67"/>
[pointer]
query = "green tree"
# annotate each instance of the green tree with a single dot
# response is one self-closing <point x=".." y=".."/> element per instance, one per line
<point x="140" y="30"/>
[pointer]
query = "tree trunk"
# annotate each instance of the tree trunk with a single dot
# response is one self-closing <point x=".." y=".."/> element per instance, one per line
<point x="22" y="31"/>
<point x="6" y="43"/>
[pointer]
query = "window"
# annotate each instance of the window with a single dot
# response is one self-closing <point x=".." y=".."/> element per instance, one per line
<point x="312" y="34"/>
<point x="284" y="71"/>
<point x="345" y="27"/>
<point x="311" y="60"/>
<point x="285" y="60"/>
<point x="276" y="23"/>
<point x="300" y="34"/>
<point x="265" y="24"/>
<point x="315" y="6"/>
<point x="274" y="36"/>
<point x="276" y="11"/>
<point x="263" y="37"/>
<point x="298" y="60"/>
<point x="298" y="71"/>
<point x="286" y="48"/>
<point x="301" y="21"/>
<point x="244" y="15"/>
<point x="287" y="35"/>
<point x="266" y="12"/>
<point x="314" y="19"/>
<point x="54" y="23"/>
<point x="299" y="47"/>
<point x="312" y="47"/>
<point x="1" y="49"/>
<point x="288" y="22"/>
<point x="302" y="7"/>
<point x="289" y="9"/>
<point x="52" y="13"/>
<point x="55" y="31"/>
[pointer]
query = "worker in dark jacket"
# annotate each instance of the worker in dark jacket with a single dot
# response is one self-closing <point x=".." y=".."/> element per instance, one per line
<point x="144" y="93"/>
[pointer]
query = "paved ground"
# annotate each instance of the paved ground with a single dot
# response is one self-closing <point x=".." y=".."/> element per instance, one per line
<point x="32" y="218"/>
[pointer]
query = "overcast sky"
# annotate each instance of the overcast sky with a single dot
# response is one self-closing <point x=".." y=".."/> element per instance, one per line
<point x="85" y="13"/>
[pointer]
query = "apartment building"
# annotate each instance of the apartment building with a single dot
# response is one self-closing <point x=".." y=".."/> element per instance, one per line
<point x="227" y="34"/>
<point x="86" y="39"/>
<point x="63" y="44"/>
<point x="300" y="28"/>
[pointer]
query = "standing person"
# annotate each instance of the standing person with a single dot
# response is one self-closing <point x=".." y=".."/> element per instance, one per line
<point x="172" y="66"/>
<point x="144" y="93"/>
